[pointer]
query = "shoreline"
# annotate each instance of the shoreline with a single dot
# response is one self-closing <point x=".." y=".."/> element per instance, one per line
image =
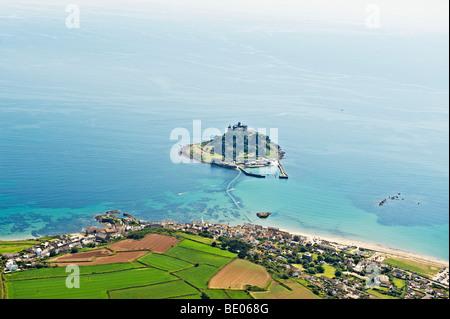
<point x="21" y="238"/>
<point x="389" y="251"/>
<point x="394" y="252"/>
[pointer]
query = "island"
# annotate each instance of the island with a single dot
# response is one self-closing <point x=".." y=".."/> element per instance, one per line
<point x="239" y="148"/>
<point x="263" y="214"/>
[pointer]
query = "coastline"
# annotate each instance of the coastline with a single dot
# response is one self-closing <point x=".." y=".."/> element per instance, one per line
<point x="19" y="238"/>
<point x="389" y="251"/>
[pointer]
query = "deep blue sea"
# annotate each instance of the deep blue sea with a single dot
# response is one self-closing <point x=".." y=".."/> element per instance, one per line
<point x="86" y="116"/>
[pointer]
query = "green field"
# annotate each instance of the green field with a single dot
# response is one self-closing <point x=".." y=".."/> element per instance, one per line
<point x="197" y="296"/>
<point x="61" y="271"/>
<point x="377" y="293"/>
<point x="204" y="240"/>
<point x="198" y="276"/>
<point x="399" y="283"/>
<point x="217" y="294"/>
<point x="93" y="286"/>
<point x="164" y="262"/>
<point x="329" y="270"/>
<point x="277" y="291"/>
<point x="205" y="248"/>
<point x="159" y="291"/>
<point x="238" y="294"/>
<point x="422" y="269"/>
<point x="16" y="246"/>
<point x="183" y="271"/>
<point x="197" y="257"/>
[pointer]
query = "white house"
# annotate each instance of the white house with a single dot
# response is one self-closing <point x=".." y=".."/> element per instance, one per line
<point x="359" y="267"/>
<point x="38" y="252"/>
<point x="11" y="265"/>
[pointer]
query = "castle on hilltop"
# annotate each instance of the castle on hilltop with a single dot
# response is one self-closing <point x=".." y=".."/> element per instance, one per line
<point x="237" y="127"/>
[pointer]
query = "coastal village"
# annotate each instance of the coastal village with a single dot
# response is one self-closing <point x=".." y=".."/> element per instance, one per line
<point x="330" y="270"/>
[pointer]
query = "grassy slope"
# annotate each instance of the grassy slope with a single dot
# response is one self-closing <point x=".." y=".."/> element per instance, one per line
<point x="277" y="291"/>
<point x="205" y="248"/>
<point x="197" y="257"/>
<point x="16" y="246"/>
<point x="198" y="276"/>
<point x="164" y="262"/>
<point x="413" y="266"/>
<point x="204" y="240"/>
<point x="93" y="286"/>
<point x="158" y="291"/>
<point x="61" y="271"/>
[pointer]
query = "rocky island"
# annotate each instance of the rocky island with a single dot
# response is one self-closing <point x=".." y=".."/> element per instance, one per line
<point x="239" y="148"/>
<point x="263" y="214"/>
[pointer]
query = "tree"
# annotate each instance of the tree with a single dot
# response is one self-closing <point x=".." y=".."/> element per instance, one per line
<point x="338" y="273"/>
<point x="320" y="269"/>
<point x="311" y="271"/>
<point x="204" y="296"/>
<point x="205" y="233"/>
<point x="214" y="244"/>
<point x="242" y="254"/>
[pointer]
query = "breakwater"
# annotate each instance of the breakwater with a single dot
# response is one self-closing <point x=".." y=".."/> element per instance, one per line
<point x="251" y="174"/>
<point x="283" y="172"/>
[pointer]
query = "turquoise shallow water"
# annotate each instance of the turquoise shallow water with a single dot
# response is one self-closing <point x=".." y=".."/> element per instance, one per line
<point x="86" y="116"/>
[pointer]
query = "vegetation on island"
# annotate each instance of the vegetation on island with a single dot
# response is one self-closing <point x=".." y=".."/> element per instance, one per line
<point x="239" y="144"/>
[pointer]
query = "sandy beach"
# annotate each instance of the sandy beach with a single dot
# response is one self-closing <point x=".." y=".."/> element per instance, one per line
<point x="388" y="251"/>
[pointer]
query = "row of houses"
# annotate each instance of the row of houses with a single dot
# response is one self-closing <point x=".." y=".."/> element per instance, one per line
<point x="30" y="256"/>
<point x="247" y="232"/>
<point x="65" y="243"/>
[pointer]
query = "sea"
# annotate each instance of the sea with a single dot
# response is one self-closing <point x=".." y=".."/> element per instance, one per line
<point x="91" y="93"/>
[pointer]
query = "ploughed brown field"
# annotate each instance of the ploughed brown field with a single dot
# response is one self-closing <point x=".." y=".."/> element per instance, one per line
<point x="155" y="242"/>
<point x="119" y="257"/>
<point x="82" y="256"/>
<point x="238" y="274"/>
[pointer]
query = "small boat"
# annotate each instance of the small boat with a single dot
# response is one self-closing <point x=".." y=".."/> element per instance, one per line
<point x="238" y="202"/>
<point x="263" y="214"/>
<point x="179" y="194"/>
